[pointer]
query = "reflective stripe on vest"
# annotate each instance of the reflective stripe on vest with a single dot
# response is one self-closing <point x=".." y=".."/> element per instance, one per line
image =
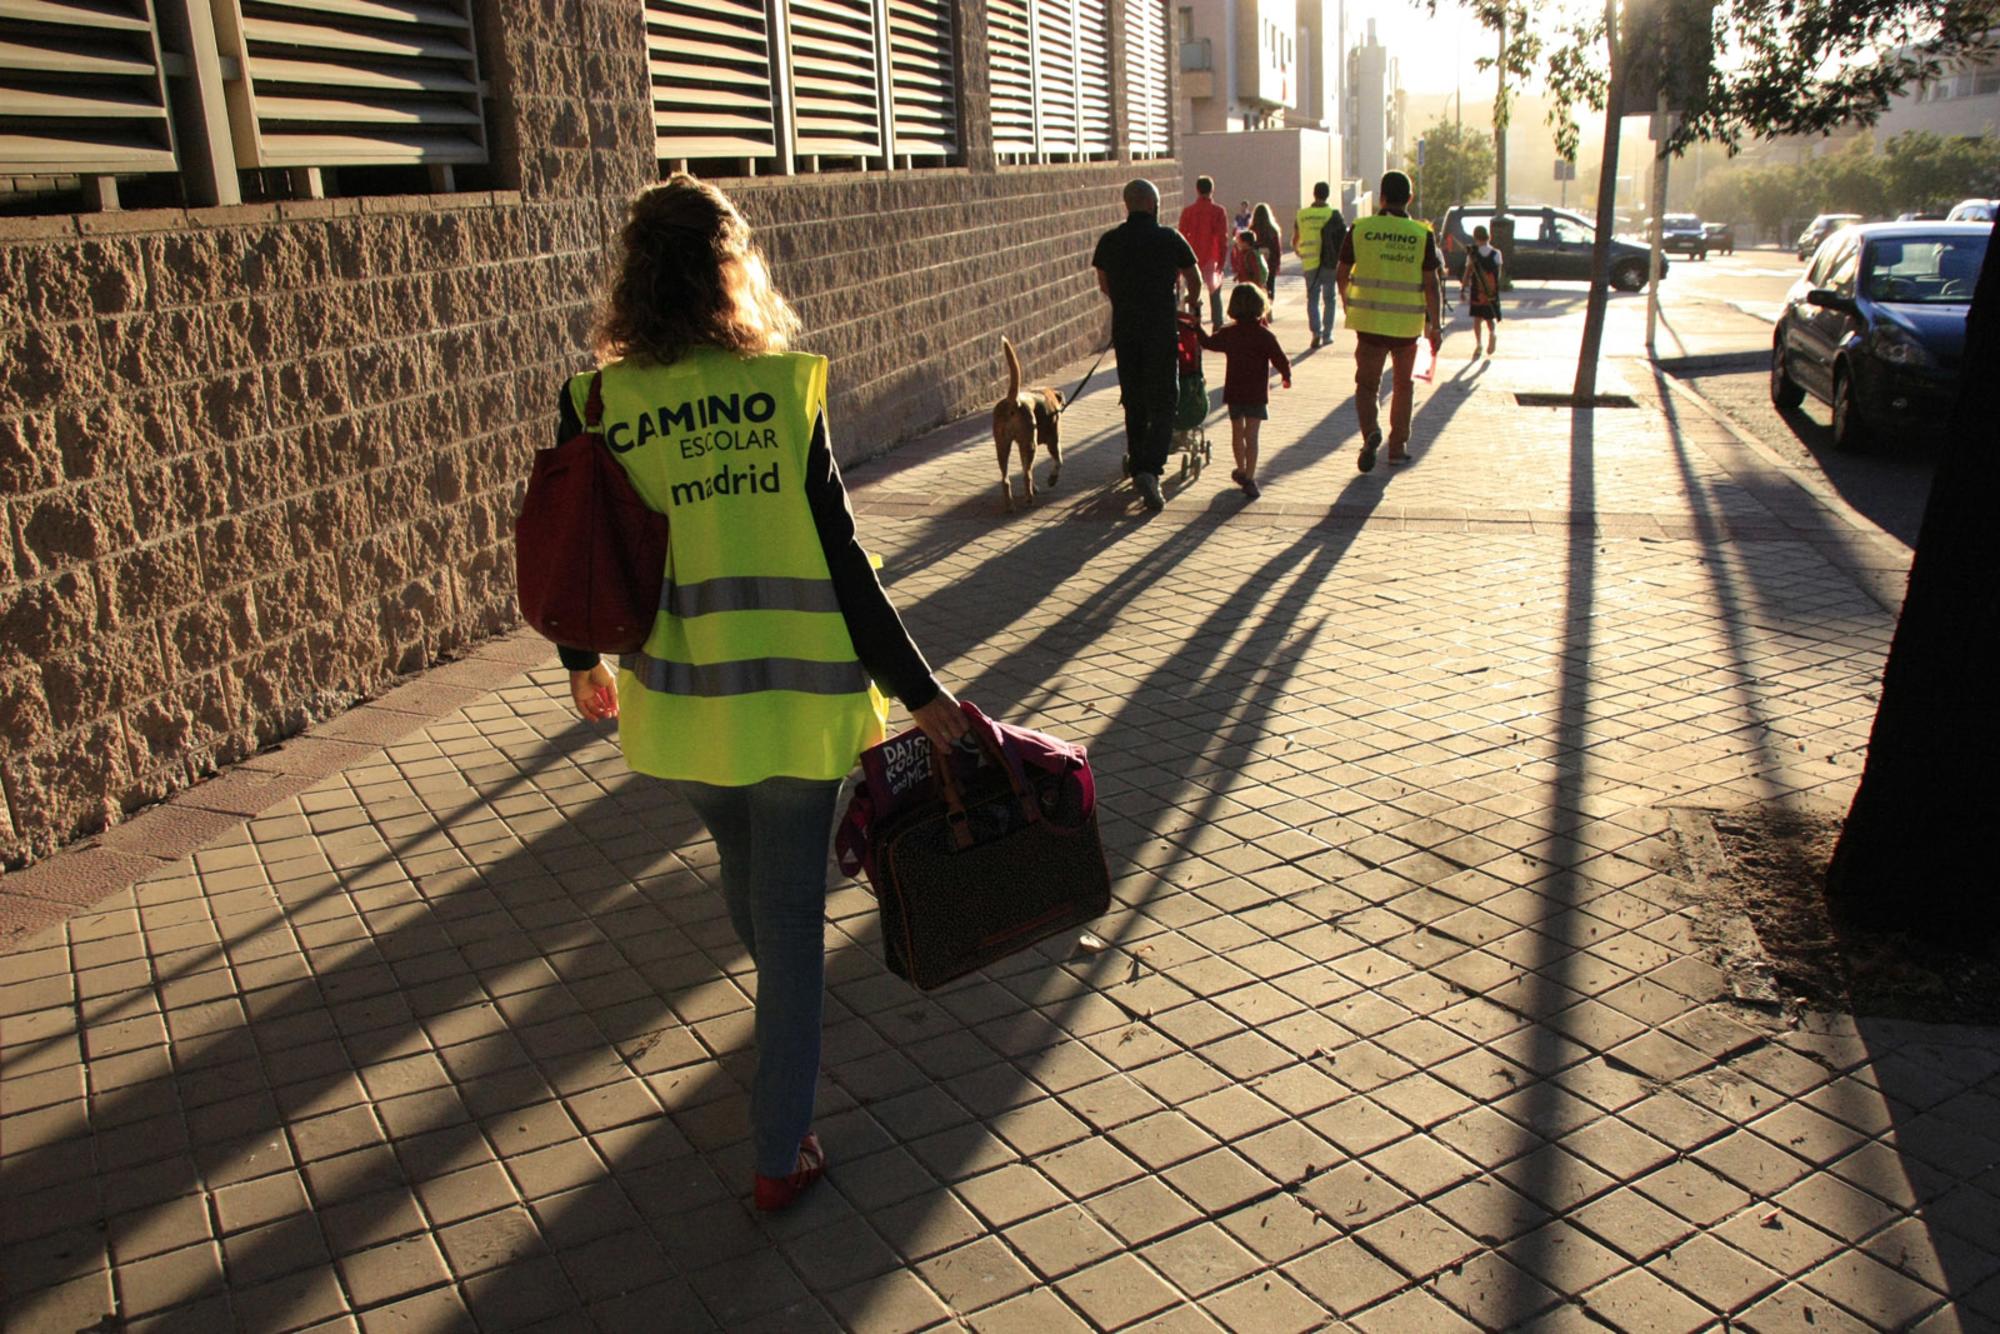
<point x="747" y="593"/>
<point x="1312" y="218"/>
<point x="750" y="672"/>
<point x="717" y="679"/>
<point x="1385" y="292"/>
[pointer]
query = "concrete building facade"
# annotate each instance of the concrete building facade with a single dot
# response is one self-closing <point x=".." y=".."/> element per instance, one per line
<point x="257" y="460"/>
<point x="1239" y="64"/>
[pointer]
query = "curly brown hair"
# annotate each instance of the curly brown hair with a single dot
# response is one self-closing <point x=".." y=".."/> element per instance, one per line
<point x="688" y="276"/>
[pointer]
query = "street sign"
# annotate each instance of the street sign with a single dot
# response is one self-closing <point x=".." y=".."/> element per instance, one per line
<point x="1565" y="171"/>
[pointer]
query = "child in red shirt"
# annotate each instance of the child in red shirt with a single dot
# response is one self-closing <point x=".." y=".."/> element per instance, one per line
<point x="1252" y="349"/>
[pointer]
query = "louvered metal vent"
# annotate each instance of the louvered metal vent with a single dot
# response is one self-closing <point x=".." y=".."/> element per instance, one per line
<point x="1055" y="73"/>
<point x="711" y="71"/>
<point x="836" y="99"/>
<point x="1010" y="62"/>
<point x="81" y="91"/>
<point x="922" y="91"/>
<point x="1149" y="117"/>
<point x="1093" y="75"/>
<point x="339" y="83"/>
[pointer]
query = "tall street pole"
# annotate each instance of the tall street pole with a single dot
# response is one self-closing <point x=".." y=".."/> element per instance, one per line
<point x="1662" y="135"/>
<point x="1500" y="125"/>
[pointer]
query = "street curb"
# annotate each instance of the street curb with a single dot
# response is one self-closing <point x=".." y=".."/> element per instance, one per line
<point x="1896" y="555"/>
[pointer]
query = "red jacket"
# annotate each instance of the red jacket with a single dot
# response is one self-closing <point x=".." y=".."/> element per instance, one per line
<point x="1205" y="224"/>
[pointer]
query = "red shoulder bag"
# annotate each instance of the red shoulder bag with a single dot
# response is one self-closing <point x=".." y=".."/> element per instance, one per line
<point x="589" y="553"/>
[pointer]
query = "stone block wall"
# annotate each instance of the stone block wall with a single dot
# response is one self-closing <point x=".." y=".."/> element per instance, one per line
<point x="255" y="463"/>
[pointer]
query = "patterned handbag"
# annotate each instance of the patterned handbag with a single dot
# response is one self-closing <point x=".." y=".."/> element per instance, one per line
<point x="991" y="851"/>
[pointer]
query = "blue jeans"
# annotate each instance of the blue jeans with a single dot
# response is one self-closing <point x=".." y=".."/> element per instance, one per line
<point x="1319" y="288"/>
<point x="772" y="837"/>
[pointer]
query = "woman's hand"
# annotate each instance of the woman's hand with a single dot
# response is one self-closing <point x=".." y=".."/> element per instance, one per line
<point x="942" y="720"/>
<point x="595" y="693"/>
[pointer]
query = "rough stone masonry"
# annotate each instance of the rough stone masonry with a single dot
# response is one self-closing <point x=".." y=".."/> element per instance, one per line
<point x="257" y="462"/>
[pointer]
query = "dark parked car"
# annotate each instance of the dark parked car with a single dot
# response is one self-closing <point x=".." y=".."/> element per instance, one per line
<point x="1548" y="243"/>
<point x="1683" y="234"/>
<point x="1877" y="326"/>
<point x="1721" y="237"/>
<point x="1825" y="225"/>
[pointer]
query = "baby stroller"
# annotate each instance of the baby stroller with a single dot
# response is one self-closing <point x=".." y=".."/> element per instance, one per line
<point x="1191" y="409"/>
<point x="1191" y="413"/>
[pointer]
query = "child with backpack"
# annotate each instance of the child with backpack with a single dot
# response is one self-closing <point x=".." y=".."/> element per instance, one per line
<point x="1247" y="260"/>
<point x="1251" y="350"/>
<point x="1480" y="285"/>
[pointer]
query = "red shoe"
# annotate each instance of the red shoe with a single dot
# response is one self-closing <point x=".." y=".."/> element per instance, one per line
<point x="775" y="1193"/>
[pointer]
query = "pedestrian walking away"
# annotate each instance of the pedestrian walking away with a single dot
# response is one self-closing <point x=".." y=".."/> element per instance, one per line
<point x="1264" y="225"/>
<point x="1389" y="281"/>
<point x="1251" y="350"/>
<point x="1247" y="261"/>
<point x="1139" y="266"/>
<point x="1205" y="224"/>
<point x="1308" y="235"/>
<point x="757" y="744"/>
<point x="1480" y="286"/>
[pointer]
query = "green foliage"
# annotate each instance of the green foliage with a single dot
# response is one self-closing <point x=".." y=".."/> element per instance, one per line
<point x="1457" y="169"/>
<point x="1917" y="172"/>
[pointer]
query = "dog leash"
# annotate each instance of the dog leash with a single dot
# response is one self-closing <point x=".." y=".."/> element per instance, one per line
<point x="1084" y="381"/>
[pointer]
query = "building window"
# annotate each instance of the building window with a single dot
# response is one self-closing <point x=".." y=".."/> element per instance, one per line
<point x="740" y="87"/>
<point x="1050" y="63"/>
<point x="1986" y="82"/>
<point x="212" y="101"/>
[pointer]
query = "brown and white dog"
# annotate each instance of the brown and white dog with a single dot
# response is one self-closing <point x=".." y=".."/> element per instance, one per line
<point x="1022" y="418"/>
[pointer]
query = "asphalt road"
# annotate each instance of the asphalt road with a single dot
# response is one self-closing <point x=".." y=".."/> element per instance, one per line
<point x="1752" y="281"/>
<point x="1889" y="482"/>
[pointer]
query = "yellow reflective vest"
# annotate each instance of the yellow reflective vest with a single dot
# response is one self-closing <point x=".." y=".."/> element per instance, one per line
<point x="750" y="672"/>
<point x="1385" y="293"/>
<point x="1310" y="219"/>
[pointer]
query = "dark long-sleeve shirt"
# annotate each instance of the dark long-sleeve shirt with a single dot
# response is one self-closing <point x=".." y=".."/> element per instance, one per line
<point x="1251" y="350"/>
<point x="885" y="648"/>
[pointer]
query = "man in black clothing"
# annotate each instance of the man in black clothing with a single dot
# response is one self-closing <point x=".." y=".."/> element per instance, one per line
<point x="1138" y="265"/>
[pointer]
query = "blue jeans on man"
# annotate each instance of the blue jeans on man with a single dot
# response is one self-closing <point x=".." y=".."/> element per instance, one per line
<point x="1319" y="288"/>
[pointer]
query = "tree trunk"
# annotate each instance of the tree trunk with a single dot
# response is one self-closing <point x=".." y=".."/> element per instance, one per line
<point x="1607" y="217"/>
<point x="1914" y="854"/>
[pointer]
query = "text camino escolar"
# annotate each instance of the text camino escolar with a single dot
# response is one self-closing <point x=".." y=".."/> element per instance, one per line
<point x="702" y="425"/>
<point x="715" y="424"/>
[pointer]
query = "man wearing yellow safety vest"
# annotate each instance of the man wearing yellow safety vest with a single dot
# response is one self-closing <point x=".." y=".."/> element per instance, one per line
<point x="1308" y="238"/>
<point x="1389" y="281"/>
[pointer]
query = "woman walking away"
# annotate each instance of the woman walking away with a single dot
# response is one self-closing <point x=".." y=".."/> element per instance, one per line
<point x="752" y="696"/>
<point x="1252" y="349"/>
<point x="1265" y="225"/>
<point x="1480" y="286"/>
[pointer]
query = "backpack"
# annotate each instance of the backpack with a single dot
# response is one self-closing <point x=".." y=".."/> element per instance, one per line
<point x="1332" y="234"/>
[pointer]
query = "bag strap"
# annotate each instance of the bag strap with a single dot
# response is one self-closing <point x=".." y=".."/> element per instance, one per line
<point x="954" y="800"/>
<point x="593" y="407"/>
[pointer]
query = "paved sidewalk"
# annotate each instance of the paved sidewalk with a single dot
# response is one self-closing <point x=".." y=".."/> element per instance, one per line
<point x="1403" y="1022"/>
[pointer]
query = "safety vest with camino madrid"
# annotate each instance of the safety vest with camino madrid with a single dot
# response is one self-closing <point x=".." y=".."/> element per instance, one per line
<point x="1385" y="293"/>
<point x="750" y="672"/>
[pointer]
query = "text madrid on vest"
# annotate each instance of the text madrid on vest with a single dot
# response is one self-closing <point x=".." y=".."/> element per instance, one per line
<point x="714" y="424"/>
